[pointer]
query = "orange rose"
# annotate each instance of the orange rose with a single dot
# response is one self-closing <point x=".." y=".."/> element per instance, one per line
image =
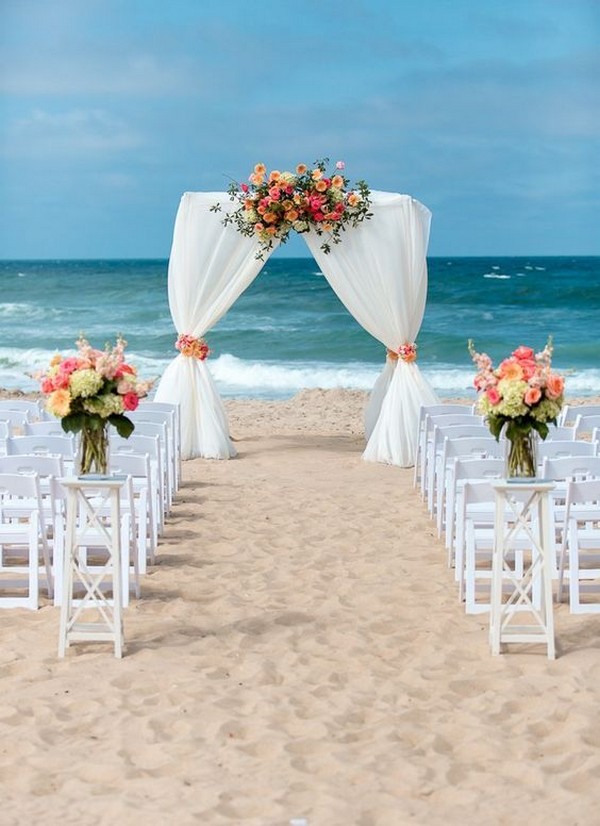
<point x="321" y="186"/>
<point x="274" y="176"/>
<point x="59" y="403"/>
<point x="337" y="181"/>
<point x="316" y="174"/>
<point x="353" y="199"/>
<point x="301" y="169"/>
<point x="269" y="217"/>
<point x="292" y="215"/>
<point x="260" y="169"/>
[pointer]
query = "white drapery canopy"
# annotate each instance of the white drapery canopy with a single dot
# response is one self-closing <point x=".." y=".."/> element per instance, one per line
<point x="378" y="271"/>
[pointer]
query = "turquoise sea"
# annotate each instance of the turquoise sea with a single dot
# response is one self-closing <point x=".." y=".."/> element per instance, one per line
<point x="289" y="331"/>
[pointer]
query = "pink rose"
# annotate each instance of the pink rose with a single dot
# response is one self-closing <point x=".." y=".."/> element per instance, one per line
<point x="532" y="396"/>
<point x="523" y="353"/>
<point x="554" y="386"/>
<point x="529" y="368"/>
<point x="130" y="401"/>
<point x="493" y="395"/>
<point x="47" y="385"/>
<point x="340" y="165"/>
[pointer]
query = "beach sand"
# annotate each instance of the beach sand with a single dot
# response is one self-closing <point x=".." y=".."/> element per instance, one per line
<point x="299" y="651"/>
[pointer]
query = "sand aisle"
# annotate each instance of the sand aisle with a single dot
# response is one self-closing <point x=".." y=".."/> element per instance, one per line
<point x="299" y="651"/>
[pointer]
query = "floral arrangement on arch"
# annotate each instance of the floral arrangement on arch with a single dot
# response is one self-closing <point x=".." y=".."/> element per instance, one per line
<point x="93" y="388"/>
<point x="272" y="204"/>
<point x="522" y="393"/>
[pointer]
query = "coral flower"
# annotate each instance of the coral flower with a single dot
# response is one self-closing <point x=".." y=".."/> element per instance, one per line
<point x="554" y="386"/>
<point x="510" y="369"/>
<point x="532" y="396"/>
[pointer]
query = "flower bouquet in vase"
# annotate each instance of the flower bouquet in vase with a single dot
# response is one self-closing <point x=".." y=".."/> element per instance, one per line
<point x="521" y="396"/>
<point x="89" y="392"/>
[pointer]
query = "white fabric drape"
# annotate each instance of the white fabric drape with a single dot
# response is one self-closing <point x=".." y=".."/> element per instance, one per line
<point x="379" y="272"/>
<point x="209" y="267"/>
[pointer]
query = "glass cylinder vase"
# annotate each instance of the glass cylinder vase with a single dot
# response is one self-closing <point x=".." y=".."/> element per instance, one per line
<point x="93" y="450"/>
<point x="521" y="456"/>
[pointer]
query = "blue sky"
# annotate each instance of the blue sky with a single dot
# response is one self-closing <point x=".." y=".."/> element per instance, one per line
<point x="487" y="111"/>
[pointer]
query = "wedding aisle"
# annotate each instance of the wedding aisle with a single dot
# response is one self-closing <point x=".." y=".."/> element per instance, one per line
<point x="298" y="651"/>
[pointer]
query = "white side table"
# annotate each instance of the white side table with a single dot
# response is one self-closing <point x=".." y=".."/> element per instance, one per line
<point x="527" y="506"/>
<point x="86" y="496"/>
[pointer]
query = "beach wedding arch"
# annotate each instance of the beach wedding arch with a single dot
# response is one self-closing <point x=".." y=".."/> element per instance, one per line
<point x="370" y="245"/>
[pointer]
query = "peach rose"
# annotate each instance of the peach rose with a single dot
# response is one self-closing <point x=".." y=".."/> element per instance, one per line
<point x="274" y="176"/>
<point x="337" y="181"/>
<point x="301" y="169"/>
<point x="260" y="168"/>
<point x="353" y="199"/>
<point x="321" y="186"/>
<point x="554" y="386"/>
<point x="532" y="396"/>
<point x="316" y="174"/>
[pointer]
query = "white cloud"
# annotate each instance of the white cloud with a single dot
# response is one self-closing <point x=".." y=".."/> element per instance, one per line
<point x="77" y="132"/>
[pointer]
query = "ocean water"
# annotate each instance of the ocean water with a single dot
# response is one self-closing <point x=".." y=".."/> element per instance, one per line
<point x="289" y="331"/>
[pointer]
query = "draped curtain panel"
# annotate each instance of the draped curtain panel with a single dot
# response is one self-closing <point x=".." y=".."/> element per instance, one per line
<point x="379" y="273"/>
<point x="209" y="267"/>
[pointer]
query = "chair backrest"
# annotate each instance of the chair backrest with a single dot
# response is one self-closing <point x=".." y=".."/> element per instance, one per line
<point x="44" y="428"/>
<point x="476" y="447"/>
<point x="42" y="465"/>
<point x="586" y="493"/>
<point x="23" y="405"/>
<point x="555" y="450"/>
<point x="560" y="434"/>
<point x="586" y="424"/>
<point x="130" y="464"/>
<point x="41" y="445"/>
<point x="571" y="467"/>
<point x="570" y="413"/>
<point x="22" y="486"/>
<point x="15" y="419"/>
<point x="478" y="469"/>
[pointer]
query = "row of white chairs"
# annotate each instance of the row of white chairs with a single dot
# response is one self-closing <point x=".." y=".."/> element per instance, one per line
<point x="456" y="461"/>
<point x="151" y="462"/>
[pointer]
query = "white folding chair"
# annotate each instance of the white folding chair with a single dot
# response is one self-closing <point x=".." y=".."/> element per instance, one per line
<point x="142" y="445"/>
<point x="144" y="493"/>
<point x="580" y="552"/>
<point x="564" y="470"/>
<point x="175" y="409"/>
<point x="550" y="449"/>
<point x="149" y="413"/>
<point x="585" y="425"/>
<point x="435" y="448"/>
<point x="23" y="535"/>
<point x="463" y="470"/>
<point x="424" y="426"/>
<point x="569" y="413"/>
